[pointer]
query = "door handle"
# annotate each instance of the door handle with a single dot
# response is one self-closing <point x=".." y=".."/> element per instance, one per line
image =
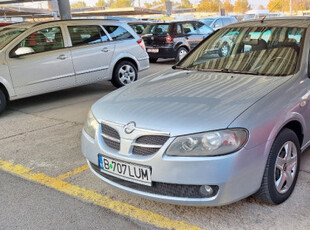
<point x="62" y="57"/>
<point x="105" y="49"/>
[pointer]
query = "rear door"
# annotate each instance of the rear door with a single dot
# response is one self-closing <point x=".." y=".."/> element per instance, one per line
<point x="203" y="30"/>
<point x="92" y="52"/>
<point x="191" y="34"/>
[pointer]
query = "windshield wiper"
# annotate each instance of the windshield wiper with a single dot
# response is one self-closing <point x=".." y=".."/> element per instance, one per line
<point x="179" y="67"/>
<point x="238" y="71"/>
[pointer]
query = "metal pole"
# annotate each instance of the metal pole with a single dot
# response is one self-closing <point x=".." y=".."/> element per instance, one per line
<point x="64" y="9"/>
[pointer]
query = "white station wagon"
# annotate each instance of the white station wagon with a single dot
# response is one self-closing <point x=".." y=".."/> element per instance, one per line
<point x="37" y="58"/>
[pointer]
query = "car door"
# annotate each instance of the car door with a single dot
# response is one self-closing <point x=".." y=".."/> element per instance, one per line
<point x="91" y="53"/>
<point x="203" y="30"/>
<point x="46" y="67"/>
<point x="191" y="34"/>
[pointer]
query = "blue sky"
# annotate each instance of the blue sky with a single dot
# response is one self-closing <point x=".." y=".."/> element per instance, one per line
<point x="254" y="3"/>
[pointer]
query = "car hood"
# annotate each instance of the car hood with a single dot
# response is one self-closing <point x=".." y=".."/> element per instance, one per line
<point x="183" y="102"/>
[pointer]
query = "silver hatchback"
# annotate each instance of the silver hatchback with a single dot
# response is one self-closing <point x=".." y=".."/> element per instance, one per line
<point x="215" y="129"/>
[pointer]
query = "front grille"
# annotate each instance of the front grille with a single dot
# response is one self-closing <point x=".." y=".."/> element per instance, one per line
<point x="148" y="145"/>
<point x="110" y="136"/>
<point x="152" y="140"/>
<point x="165" y="189"/>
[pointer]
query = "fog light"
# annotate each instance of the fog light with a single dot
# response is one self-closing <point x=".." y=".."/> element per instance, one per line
<point x="206" y="190"/>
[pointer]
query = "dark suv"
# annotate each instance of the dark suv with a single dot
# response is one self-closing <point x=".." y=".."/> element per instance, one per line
<point x="173" y="39"/>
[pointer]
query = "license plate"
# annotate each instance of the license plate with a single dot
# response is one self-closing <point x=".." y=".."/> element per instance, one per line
<point x="152" y="50"/>
<point x="127" y="171"/>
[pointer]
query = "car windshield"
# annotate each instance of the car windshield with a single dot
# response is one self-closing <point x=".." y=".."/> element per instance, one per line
<point x="208" y="21"/>
<point x="7" y="34"/>
<point x="157" y="29"/>
<point x="271" y="51"/>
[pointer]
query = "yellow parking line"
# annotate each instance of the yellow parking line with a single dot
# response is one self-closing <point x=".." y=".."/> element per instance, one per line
<point x="119" y="207"/>
<point x="73" y="172"/>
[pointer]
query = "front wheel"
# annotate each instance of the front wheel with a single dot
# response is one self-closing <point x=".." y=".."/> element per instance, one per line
<point x="282" y="169"/>
<point x="182" y="52"/>
<point x="3" y="101"/>
<point x="124" y="73"/>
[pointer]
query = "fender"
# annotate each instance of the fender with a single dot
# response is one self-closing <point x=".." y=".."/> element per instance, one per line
<point x="179" y="44"/>
<point x="9" y="87"/>
<point x="292" y="116"/>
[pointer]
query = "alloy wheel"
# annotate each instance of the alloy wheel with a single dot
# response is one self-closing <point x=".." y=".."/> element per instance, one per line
<point x="285" y="167"/>
<point x="126" y="74"/>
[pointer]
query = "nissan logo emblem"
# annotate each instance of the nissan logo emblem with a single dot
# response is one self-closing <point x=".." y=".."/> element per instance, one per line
<point x="130" y="127"/>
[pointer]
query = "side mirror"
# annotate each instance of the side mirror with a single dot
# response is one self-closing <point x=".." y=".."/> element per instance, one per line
<point x="23" y="51"/>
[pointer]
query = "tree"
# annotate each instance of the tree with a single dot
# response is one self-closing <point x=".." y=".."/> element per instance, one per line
<point x="208" y="6"/>
<point x="284" y="5"/>
<point x="278" y="5"/>
<point x="101" y="3"/>
<point x="122" y="3"/>
<point x="228" y="6"/>
<point x="185" y="4"/>
<point x="242" y="6"/>
<point x="160" y="5"/>
<point x="261" y="7"/>
<point x="79" y="4"/>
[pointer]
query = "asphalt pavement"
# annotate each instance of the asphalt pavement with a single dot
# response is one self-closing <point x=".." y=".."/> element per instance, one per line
<point x="28" y="205"/>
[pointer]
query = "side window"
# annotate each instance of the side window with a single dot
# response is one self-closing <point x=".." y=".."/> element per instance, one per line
<point x="118" y="32"/>
<point x="218" y="23"/>
<point x="43" y="40"/>
<point x="189" y="28"/>
<point x="138" y="28"/>
<point x="226" y="21"/>
<point x="85" y="35"/>
<point x="204" y="29"/>
<point x="178" y="29"/>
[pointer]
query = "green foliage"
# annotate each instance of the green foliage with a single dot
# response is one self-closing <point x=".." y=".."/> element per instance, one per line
<point x="79" y="4"/>
<point x="101" y="3"/>
<point x="185" y="4"/>
<point x="242" y="6"/>
<point x="208" y="6"/>
<point x="122" y="3"/>
<point x="228" y="6"/>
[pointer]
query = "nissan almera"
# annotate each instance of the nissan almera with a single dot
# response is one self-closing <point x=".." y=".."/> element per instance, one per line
<point x="214" y="129"/>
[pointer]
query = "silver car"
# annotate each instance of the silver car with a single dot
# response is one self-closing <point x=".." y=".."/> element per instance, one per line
<point x="42" y="57"/>
<point x="214" y="129"/>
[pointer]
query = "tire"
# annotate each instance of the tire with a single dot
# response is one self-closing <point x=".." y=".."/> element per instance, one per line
<point x="182" y="51"/>
<point x="273" y="190"/>
<point x="153" y="60"/>
<point x="124" y="73"/>
<point x="224" y="50"/>
<point x="3" y="101"/>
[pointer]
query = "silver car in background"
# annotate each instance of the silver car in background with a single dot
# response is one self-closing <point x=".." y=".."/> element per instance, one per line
<point x="215" y="129"/>
<point x="43" y="57"/>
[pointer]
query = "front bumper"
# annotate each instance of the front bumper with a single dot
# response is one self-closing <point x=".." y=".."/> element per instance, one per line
<point x="235" y="176"/>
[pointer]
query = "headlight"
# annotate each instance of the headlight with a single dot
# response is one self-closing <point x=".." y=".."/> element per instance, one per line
<point x="91" y="125"/>
<point x="209" y="144"/>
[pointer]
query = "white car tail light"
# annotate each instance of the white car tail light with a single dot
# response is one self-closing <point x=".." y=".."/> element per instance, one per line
<point x="141" y="43"/>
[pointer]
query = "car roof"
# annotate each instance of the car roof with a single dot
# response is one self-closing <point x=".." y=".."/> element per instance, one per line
<point x="28" y="25"/>
<point x="175" y="21"/>
<point x="297" y="22"/>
